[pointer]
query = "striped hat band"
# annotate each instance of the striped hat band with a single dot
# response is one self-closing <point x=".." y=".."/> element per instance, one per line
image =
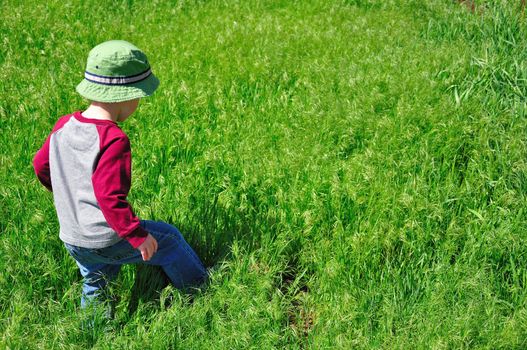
<point x="106" y="80"/>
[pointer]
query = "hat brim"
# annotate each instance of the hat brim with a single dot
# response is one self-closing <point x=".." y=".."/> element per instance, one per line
<point x="117" y="93"/>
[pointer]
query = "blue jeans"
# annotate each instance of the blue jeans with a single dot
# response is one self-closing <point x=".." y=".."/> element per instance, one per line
<point x="98" y="266"/>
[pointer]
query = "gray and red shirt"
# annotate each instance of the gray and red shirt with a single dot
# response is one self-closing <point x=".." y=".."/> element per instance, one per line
<point x="86" y="163"/>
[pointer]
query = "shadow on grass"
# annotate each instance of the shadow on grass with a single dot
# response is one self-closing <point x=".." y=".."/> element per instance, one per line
<point x="149" y="282"/>
<point x="210" y="232"/>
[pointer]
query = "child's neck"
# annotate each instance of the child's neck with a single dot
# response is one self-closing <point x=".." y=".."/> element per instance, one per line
<point x="102" y="111"/>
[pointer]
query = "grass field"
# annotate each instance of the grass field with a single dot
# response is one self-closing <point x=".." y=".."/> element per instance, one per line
<point x="355" y="170"/>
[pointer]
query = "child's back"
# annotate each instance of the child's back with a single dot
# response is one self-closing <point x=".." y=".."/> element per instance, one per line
<point x="89" y="165"/>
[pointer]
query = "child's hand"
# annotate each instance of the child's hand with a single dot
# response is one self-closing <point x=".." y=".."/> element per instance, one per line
<point x="148" y="248"/>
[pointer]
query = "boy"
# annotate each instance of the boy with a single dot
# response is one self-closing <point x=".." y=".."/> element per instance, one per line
<point x="86" y="163"/>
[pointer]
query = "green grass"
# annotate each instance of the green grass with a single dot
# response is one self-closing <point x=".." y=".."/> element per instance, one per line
<point x="355" y="170"/>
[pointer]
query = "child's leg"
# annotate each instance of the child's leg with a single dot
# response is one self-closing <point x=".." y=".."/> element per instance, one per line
<point x="96" y="274"/>
<point x="175" y="256"/>
<point x="96" y="277"/>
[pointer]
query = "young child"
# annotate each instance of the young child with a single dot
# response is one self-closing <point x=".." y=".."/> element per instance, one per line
<point x="86" y="163"/>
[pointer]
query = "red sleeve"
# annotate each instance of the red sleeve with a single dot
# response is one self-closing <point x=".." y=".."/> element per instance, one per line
<point x="111" y="183"/>
<point x="41" y="159"/>
<point x="41" y="165"/>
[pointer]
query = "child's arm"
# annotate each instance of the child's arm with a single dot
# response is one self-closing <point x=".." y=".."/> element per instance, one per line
<point x="111" y="181"/>
<point x="41" y="159"/>
<point x="41" y="165"/>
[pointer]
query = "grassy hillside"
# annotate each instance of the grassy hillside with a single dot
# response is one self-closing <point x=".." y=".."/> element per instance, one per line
<point x="355" y="170"/>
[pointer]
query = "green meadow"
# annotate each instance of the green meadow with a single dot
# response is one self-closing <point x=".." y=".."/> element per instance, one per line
<point x="354" y="173"/>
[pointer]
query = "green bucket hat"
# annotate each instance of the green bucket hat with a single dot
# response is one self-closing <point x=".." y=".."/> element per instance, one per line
<point x="117" y="71"/>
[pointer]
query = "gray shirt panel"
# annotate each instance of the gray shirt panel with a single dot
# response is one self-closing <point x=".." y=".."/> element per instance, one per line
<point x="73" y="152"/>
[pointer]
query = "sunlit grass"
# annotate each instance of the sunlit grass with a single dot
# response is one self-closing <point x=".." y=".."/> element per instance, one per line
<point x="353" y="170"/>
